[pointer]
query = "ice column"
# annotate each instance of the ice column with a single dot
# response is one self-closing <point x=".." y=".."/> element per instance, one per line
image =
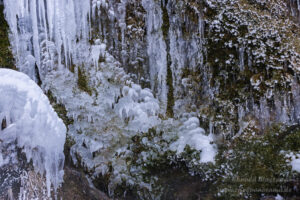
<point x="156" y="49"/>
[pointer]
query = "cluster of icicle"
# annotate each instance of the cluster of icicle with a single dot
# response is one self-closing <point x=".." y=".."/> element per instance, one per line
<point x="44" y="33"/>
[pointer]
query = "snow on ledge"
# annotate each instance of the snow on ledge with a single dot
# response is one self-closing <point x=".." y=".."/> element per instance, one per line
<point x="27" y="117"/>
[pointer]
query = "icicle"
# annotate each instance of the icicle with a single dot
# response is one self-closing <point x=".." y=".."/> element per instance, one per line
<point x="211" y="126"/>
<point x="34" y="20"/>
<point x="292" y="9"/>
<point x="241" y="114"/>
<point x="284" y="118"/>
<point x="122" y="24"/>
<point x="296" y="100"/>
<point x="249" y="58"/>
<point x="241" y="58"/>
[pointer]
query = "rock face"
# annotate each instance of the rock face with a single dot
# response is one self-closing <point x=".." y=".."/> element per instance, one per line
<point x="134" y="80"/>
<point x="76" y="186"/>
<point x="223" y="59"/>
<point x="24" y="183"/>
<point x="232" y="59"/>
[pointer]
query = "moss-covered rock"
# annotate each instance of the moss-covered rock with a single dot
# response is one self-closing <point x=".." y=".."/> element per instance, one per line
<point x="6" y="57"/>
<point x="250" y="53"/>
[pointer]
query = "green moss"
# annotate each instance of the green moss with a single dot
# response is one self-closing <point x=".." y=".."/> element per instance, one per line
<point x="6" y="57"/>
<point x="83" y="82"/>
<point x="63" y="114"/>
<point x="289" y="138"/>
<point x="170" y="104"/>
<point x="165" y="29"/>
<point x="67" y="149"/>
<point x="60" y="109"/>
<point x="72" y="66"/>
<point x="166" y="23"/>
<point x="101" y="59"/>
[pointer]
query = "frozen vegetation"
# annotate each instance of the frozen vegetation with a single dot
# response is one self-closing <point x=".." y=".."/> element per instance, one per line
<point x="194" y="136"/>
<point x="117" y="111"/>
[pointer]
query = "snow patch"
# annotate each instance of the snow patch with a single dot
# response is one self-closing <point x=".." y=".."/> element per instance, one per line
<point x="296" y="163"/>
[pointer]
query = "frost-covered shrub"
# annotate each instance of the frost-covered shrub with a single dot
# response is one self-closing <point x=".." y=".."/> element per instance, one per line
<point x="259" y="163"/>
<point x="160" y="150"/>
<point x="194" y="136"/>
<point x="138" y="107"/>
<point x="118" y="135"/>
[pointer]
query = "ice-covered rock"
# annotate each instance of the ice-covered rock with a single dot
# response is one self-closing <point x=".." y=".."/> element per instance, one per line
<point x="29" y="121"/>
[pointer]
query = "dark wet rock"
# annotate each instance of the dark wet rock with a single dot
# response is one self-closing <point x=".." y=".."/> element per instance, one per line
<point x="77" y="187"/>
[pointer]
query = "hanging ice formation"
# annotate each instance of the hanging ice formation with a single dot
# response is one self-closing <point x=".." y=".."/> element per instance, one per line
<point x="44" y="33"/>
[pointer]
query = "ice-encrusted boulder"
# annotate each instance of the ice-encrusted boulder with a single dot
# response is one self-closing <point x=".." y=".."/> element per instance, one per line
<point x="28" y="120"/>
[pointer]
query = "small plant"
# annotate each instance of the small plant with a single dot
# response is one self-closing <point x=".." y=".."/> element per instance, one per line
<point x="83" y="82"/>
